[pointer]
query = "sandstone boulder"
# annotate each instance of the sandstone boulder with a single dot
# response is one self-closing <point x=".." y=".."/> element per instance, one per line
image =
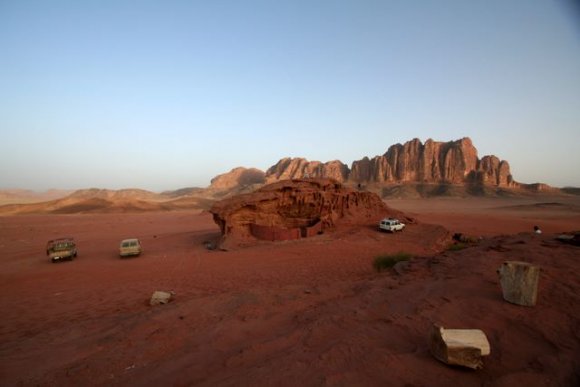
<point x="519" y="282"/>
<point x="160" y="297"/>
<point x="459" y="347"/>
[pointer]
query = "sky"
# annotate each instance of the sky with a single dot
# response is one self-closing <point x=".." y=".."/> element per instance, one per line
<point x="162" y="95"/>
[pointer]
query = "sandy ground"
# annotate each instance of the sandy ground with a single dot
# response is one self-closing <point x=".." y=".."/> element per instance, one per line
<point x="310" y="312"/>
<point x="493" y="216"/>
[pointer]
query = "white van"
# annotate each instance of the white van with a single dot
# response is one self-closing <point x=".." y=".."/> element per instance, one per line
<point x="391" y="225"/>
<point x="130" y="247"/>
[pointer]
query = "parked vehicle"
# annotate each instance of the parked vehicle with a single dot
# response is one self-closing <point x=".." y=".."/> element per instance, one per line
<point x="391" y="225"/>
<point x="130" y="247"/>
<point x="62" y="248"/>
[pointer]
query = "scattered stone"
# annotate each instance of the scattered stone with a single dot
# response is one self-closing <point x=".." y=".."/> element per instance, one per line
<point x="209" y="245"/>
<point x="499" y="248"/>
<point x="519" y="282"/>
<point x="461" y="347"/>
<point x="160" y="297"/>
<point x="570" y="239"/>
<point x="462" y="238"/>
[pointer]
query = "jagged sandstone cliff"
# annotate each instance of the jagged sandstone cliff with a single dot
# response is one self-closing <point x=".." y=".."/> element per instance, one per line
<point x="453" y="162"/>
<point x="412" y="169"/>
<point x="299" y="168"/>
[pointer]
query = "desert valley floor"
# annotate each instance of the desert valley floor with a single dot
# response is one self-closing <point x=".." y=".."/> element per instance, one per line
<point x="310" y="312"/>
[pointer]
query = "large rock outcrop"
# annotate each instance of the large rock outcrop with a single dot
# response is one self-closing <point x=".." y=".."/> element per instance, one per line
<point x="299" y="168"/>
<point x="493" y="171"/>
<point x="293" y="209"/>
<point x="453" y="162"/>
<point x="237" y="177"/>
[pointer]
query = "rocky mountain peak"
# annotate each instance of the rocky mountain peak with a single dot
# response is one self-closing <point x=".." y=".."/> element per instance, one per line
<point x="414" y="162"/>
<point x="237" y="177"/>
<point x="299" y="168"/>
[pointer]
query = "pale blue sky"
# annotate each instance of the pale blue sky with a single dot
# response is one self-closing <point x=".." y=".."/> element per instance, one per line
<point x="167" y="94"/>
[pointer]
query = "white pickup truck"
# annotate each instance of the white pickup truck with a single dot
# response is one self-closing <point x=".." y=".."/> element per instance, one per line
<point x="391" y="225"/>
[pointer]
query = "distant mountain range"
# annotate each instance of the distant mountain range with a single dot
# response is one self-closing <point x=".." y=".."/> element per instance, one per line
<point x="112" y="201"/>
<point x="405" y="170"/>
<point x="9" y="196"/>
<point x="411" y="169"/>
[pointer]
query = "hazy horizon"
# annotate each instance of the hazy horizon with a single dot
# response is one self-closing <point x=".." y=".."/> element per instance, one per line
<point x="161" y="96"/>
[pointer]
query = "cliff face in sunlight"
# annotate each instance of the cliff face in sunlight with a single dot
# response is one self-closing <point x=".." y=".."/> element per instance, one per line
<point x="453" y="162"/>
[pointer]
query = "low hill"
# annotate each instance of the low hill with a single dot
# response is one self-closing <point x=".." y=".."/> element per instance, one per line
<point x="12" y="196"/>
<point x="110" y="201"/>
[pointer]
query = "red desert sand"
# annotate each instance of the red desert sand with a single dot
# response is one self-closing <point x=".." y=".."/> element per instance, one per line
<point x="307" y="312"/>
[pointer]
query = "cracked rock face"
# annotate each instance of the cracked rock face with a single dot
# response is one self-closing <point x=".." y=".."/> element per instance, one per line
<point x="237" y="177"/>
<point x="293" y="209"/>
<point x="299" y="168"/>
<point x="452" y="162"/>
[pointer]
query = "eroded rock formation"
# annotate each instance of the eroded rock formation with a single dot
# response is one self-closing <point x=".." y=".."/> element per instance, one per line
<point x="237" y="177"/>
<point x="454" y="162"/>
<point x="299" y="168"/>
<point x="293" y="209"/>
